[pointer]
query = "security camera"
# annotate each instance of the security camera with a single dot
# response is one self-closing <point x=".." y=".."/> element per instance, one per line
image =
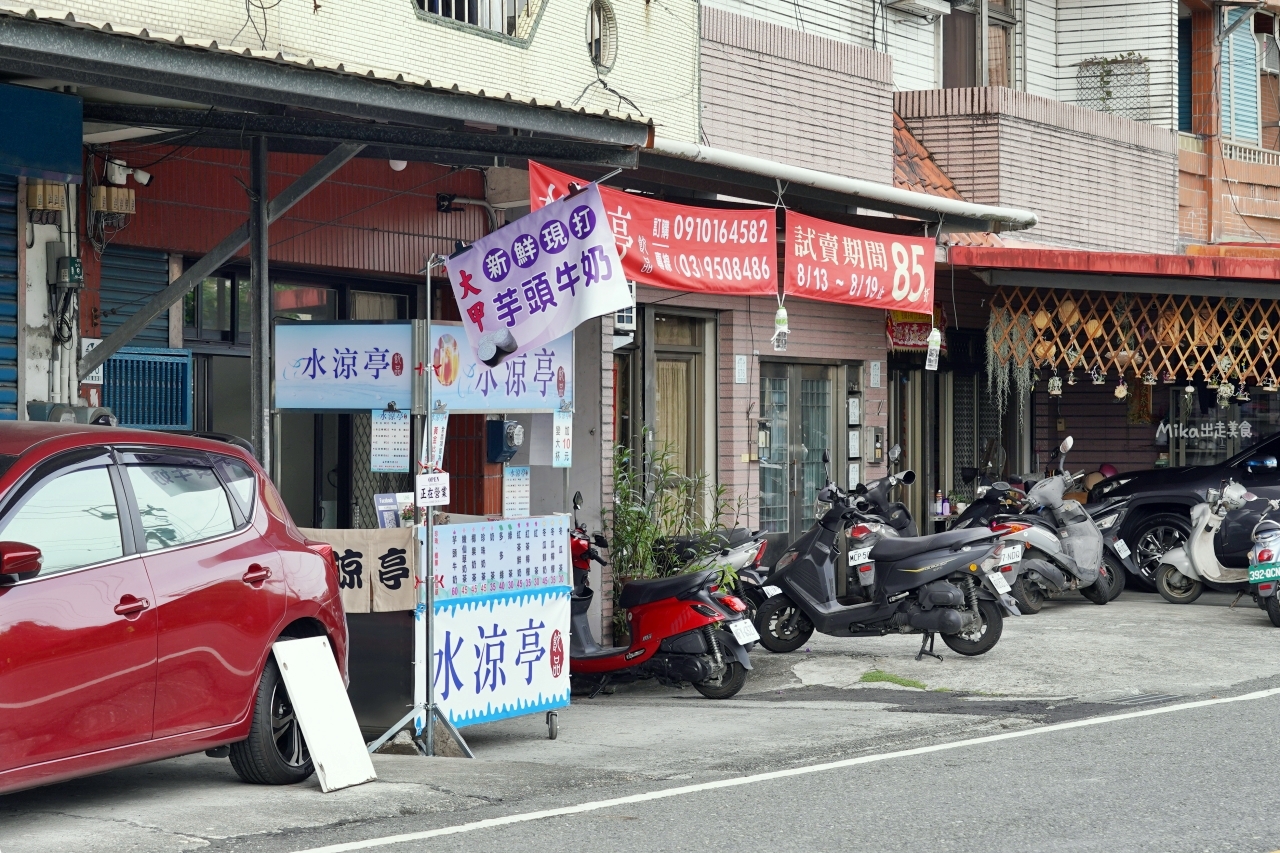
<point x="143" y="177"/>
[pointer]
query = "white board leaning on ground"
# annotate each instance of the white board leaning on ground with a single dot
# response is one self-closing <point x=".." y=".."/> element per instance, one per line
<point x="324" y="712"/>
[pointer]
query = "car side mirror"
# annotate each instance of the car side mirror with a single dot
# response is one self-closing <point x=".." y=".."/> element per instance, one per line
<point x="577" y="500"/>
<point x="19" y="561"/>
<point x="1260" y="463"/>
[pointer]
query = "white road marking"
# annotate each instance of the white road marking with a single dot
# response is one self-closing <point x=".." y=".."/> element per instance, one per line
<point x="491" y="823"/>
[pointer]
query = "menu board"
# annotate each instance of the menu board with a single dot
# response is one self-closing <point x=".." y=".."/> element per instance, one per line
<point x="511" y="555"/>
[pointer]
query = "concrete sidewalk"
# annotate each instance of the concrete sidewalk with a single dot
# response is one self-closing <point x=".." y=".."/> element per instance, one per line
<point x="807" y="706"/>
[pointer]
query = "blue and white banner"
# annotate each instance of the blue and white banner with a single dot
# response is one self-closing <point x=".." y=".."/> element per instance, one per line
<point x="501" y="655"/>
<point x="343" y="366"/>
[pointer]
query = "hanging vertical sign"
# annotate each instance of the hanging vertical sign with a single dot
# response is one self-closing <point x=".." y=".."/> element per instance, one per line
<point x="389" y="450"/>
<point x="432" y="489"/>
<point x="433" y="447"/>
<point x="703" y="250"/>
<point x="562" y="440"/>
<point x="538" y="278"/>
<point x="853" y="266"/>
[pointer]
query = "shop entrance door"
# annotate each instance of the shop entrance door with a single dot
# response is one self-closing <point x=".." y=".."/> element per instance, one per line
<point x="797" y="402"/>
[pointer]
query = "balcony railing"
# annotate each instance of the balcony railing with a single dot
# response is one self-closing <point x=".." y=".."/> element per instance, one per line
<point x="1190" y="142"/>
<point x="1250" y="154"/>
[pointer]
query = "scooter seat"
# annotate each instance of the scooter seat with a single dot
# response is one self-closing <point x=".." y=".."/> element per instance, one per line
<point x="649" y="591"/>
<point x="890" y="550"/>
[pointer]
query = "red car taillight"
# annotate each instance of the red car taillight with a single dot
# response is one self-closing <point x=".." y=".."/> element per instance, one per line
<point x="737" y="605"/>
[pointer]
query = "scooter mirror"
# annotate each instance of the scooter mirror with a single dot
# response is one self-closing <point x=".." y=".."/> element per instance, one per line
<point x="577" y="500"/>
<point x="895" y="452"/>
<point x="968" y="475"/>
<point x="1001" y="486"/>
<point x="1067" y="444"/>
<point x="906" y="478"/>
<point x="826" y="457"/>
<point x="600" y="541"/>
<point x="860" y="489"/>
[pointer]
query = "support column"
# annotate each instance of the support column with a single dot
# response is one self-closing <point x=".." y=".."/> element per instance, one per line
<point x="260" y="297"/>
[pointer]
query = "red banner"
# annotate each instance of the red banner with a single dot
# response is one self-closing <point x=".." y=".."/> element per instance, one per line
<point x="731" y="252"/>
<point x="852" y="266"/>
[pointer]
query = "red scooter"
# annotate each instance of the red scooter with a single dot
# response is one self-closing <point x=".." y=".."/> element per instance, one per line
<point x="683" y="629"/>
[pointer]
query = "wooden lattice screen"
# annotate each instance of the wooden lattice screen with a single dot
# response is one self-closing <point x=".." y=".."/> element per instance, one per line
<point x="1155" y="337"/>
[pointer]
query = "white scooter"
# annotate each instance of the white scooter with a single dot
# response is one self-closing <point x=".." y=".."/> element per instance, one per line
<point x="1185" y="570"/>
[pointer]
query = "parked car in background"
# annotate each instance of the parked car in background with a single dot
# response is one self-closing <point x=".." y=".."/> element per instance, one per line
<point x="1158" y="518"/>
<point x="143" y="580"/>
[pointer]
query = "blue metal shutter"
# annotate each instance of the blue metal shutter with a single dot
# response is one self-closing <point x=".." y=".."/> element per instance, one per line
<point x="1184" y="75"/>
<point x="8" y="298"/>
<point x="149" y="388"/>
<point x="1240" y="82"/>
<point x="130" y="277"/>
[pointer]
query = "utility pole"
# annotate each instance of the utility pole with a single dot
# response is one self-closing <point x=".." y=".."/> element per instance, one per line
<point x="260" y="298"/>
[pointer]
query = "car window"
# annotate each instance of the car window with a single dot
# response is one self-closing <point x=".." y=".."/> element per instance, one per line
<point x="240" y="478"/>
<point x="179" y="504"/>
<point x="72" y="519"/>
<point x="1269" y="445"/>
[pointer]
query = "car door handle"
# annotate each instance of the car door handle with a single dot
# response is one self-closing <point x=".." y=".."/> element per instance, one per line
<point x="256" y="574"/>
<point x="131" y="606"/>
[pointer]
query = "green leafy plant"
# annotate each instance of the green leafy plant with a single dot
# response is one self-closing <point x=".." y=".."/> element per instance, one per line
<point x="663" y="521"/>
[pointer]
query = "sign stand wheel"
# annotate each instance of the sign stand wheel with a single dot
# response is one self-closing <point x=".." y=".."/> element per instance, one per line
<point x="553" y="725"/>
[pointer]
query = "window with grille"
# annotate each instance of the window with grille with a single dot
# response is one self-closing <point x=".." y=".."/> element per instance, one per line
<point x="500" y="16"/>
<point x="1119" y="85"/>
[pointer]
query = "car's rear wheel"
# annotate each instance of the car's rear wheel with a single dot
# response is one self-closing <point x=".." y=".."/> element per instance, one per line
<point x="275" y="752"/>
<point x="1153" y="536"/>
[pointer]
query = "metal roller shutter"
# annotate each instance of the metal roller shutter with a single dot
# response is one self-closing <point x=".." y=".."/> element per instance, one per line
<point x="130" y="277"/>
<point x="8" y="298"/>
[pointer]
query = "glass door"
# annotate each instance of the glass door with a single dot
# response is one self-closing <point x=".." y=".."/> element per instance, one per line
<point x="797" y="403"/>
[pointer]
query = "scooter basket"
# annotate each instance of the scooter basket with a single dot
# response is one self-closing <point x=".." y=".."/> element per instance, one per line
<point x="1083" y="544"/>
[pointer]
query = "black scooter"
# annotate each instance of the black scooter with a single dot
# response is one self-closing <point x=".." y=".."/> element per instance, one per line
<point x="947" y="583"/>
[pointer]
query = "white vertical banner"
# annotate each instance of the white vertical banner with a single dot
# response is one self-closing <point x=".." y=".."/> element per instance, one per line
<point x="562" y="440"/>
<point x="433" y="443"/>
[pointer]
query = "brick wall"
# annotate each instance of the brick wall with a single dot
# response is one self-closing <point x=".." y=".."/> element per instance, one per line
<point x="1098" y="181"/>
<point x="552" y="65"/>
<point x="774" y="92"/>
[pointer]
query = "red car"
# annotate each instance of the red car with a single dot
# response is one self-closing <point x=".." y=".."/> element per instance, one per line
<point x="143" y="579"/>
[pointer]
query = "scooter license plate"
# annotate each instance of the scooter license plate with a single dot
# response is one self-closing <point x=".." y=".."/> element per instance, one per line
<point x="1010" y="554"/>
<point x="998" y="581"/>
<point x="743" y="631"/>
<point x="859" y="556"/>
<point x="1122" y="549"/>
<point x="1264" y="572"/>
<point x="771" y="591"/>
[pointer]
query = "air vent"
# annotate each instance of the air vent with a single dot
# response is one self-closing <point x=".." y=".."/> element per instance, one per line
<point x="1269" y="54"/>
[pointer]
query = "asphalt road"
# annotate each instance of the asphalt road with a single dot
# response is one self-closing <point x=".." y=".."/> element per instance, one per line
<point x="1181" y="778"/>
<point x="1186" y="780"/>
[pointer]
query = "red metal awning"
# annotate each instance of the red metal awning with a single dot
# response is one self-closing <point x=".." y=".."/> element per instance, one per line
<point x="1114" y="263"/>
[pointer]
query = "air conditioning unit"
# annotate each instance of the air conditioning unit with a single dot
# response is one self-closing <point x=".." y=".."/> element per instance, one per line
<point x="1268" y="54"/>
<point x="625" y="320"/>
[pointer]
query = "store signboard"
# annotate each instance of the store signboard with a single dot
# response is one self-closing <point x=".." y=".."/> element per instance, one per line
<point x="389" y="442"/>
<point x="537" y="279"/>
<point x="501" y="655"/>
<point x="562" y="440"/>
<point x="501" y="625"/>
<point x="854" y="266"/>
<point x="679" y="247"/>
<point x="515" y="491"/>
<point x="342" y="366"/>
<point x="537" y="381"/>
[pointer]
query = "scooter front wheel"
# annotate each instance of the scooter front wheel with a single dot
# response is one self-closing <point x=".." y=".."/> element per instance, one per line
<point x="1175" y="587"/>
<point x="782" y="625"/>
